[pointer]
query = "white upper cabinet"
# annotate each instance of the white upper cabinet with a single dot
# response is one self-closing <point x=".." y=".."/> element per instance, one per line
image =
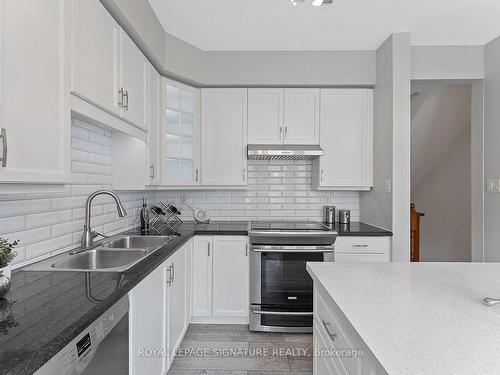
<point x="224" y="136"/>
<point x="283" y="116"/>
<point x="35" y="121"/>
<point x="180" y="136"/>
<point x="301" y="116"/>
<point x="133" y="82"/>
<point x="154" y="125"/>
<point x="265" y="116"/>
<point x="346" y="139"/>
<point x="107" y="69"/>
<point x="94" y="54"/>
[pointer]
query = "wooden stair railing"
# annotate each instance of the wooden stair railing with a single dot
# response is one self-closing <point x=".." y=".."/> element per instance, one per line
<point x="415" y="233"/>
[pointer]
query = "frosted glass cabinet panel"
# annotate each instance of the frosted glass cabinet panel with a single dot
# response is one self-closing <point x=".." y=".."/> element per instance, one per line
<point x="181" y="134"/>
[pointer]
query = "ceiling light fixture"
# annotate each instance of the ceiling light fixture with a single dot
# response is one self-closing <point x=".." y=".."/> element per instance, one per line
<point x="318" y="3"/>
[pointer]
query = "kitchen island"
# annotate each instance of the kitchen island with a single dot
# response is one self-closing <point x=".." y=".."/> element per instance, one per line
<point x="408" y="318"/>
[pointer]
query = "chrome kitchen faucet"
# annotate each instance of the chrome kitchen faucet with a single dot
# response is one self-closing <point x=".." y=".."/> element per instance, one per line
<point x="89" y="235"/>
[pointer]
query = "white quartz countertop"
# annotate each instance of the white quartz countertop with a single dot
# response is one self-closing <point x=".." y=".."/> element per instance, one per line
<point x="420" y="318"/>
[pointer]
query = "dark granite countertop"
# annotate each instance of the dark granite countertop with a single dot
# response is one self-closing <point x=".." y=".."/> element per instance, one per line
<point x="358" y="228"/>
<point x="44" y="311"/>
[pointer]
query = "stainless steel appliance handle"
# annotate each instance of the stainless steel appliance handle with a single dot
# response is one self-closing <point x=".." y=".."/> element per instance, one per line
<point x="288" y="313"/>
<point x="303" y="250"/>
<point x="3" y="136"/>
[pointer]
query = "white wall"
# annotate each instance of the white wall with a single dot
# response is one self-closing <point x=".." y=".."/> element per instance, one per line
<point x="441" y="170"/>
<point x="268" y="68"/>
<point x="492" y="149"/>
<point x="391" y="145"/>
<point x="447" y="62"/>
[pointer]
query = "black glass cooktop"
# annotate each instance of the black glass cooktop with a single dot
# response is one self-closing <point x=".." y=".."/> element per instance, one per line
<point x="295" y="226"/>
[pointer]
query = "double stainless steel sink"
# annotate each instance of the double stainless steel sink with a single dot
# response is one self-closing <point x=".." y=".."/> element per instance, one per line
<point x="117" y="254"/>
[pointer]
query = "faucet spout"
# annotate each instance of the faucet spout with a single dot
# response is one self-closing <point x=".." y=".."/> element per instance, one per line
<point x="88" y="235"/>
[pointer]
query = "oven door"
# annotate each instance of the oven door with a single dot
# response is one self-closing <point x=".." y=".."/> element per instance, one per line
<point x="281" y="290"/>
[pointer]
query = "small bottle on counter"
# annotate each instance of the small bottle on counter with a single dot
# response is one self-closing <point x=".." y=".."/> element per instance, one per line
<point x="144" y="217"/>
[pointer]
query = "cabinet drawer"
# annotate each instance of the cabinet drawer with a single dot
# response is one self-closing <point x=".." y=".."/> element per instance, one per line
<point x="323" y="362"/>
<point x="378" y="245"/>
<point x="361" y="257"/>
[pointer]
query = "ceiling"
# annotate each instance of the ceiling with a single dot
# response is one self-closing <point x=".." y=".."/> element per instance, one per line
<point x="234" y="25"/>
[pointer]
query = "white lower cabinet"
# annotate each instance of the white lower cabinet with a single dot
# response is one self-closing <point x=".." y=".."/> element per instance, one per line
<point x="220" y="279"/>
<point x="362" y="249"/>
<point x="157" y="317"/>
<point x="338" y="349"/>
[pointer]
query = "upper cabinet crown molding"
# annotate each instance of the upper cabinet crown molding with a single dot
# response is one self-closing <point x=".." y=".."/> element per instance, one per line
<point x="283" y="116"/>
<point x="34" y="91"/>
<point x="346" y="139"/>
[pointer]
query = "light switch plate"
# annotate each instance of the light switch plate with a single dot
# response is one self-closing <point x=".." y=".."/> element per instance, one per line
<point x="493" y="185"/>
<point x="387" y="185"/>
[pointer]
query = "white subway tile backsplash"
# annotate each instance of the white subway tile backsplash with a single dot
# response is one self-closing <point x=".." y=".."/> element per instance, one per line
<point x="49" y="223"/>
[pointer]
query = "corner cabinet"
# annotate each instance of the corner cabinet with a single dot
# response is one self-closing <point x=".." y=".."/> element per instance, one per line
<point x="224" y="137"/>
<point x="283" y="116"/>
<point x="35" y="121"/>
<point x="180" y="135"/>
<point x="220" y="280"/>
<point x="346" y="119"/>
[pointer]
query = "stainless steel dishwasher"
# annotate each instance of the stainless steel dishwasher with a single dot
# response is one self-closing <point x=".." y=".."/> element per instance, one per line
<point x="102" y="348"/>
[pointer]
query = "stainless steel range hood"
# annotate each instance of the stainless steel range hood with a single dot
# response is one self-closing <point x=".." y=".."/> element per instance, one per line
<point x="284" y="152"/>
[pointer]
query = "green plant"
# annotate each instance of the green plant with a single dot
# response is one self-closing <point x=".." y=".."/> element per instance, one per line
<point x="7" y="253"/>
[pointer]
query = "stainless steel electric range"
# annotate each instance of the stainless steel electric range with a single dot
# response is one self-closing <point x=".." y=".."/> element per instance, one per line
<point x="281" y="290"/>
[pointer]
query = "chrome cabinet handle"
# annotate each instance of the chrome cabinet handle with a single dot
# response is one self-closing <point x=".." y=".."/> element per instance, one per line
<point x="244" y="174"/>
<point x="126" y="96"/>
<point x="169" y="281"/>
<point x="322" y="174"/>
<point x="173" y="272"/>
<point x="281" y="132"/>
<point x="152" y="171"/>
<point x="330" y="333"/>
<point x="359" y="245"/>
<point x="246" y="250"/>
<point x="197" y="174"/>
<point x="286" y="132"/>
<point x="491" y="301"/>
<point x="120" y="93"/>
<point x="208" y="247"/>
<point x="3" y="136"/>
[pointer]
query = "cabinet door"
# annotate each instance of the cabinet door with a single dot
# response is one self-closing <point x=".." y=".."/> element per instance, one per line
<point x="147" y="323"/>
<point x="176" y="301"/>
<point x="301" y="116"/>
<point x="34" y="91"/>
<point x="230" y="277"/>
<point x="202" y="277"/>
<point x="94" y="54"/>
<point x="265" y="116"/>
<point x="133" y="74"/>
<point x="224" y="137"/>
<point x="154" y="123"/>
<point x="180" y="134"/>
<point x="346" y="138"/>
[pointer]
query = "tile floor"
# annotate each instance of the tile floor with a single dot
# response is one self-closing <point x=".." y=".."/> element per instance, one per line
<point x="234" y="350"/>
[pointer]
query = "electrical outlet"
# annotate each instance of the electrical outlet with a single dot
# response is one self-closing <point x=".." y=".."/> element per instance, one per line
<point x="387" y="185"/>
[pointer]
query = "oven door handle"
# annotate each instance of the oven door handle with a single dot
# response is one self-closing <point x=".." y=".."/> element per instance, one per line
<point x="282" y="233"/>
<point x="288" y="313"/>
<point x="263" y="250"/>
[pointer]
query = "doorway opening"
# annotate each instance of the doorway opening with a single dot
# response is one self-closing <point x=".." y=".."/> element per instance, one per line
<point x="441" y="169"/>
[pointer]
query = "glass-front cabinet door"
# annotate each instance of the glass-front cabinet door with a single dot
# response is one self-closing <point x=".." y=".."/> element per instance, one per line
<point x="181" y="134"/>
